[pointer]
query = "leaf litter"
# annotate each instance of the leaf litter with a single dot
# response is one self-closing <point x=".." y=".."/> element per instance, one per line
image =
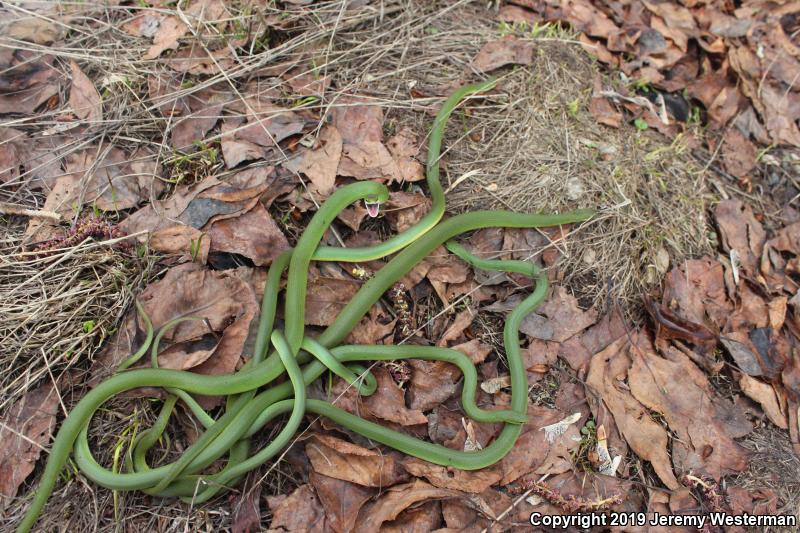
<point x="646" y="392"/>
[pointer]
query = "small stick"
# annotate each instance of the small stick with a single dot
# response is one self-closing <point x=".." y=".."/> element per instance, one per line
<point x="13" y="209"/>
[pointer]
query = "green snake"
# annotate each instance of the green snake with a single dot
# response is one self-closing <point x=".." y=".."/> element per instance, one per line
<point x="251" y="403"/>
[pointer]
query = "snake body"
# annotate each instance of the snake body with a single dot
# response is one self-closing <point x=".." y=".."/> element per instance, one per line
<point x="252" y="403"/>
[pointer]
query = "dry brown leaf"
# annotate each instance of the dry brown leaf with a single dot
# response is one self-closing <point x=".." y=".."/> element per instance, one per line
<point x="738" y="154"/>
<point x="299" y="511"/>
<point x="253" y="234"/>
<point x="186" y="242"/>
<point x="320" y="163"/>
<point x="559" y="318"/>
<point x="247" y="507"/>
<point x="395" y="500"/>
<point x="341" y="500"/>
<point x="432" y="382"/>
<point x="766" y="395"/>
<point x="679" y="390"/>
<point x="28" y="80"/>
<point x="254" y="130"/>
<point x="695" y="290"/>
<point x="84" y="100"/>
<point x="405" y="149"/>
<point x="388" y="402"/>
<point x="353" y="463"/>
<point x="364" y="155"/>
<point x="647" y="439"/>
<point x="325" y="297"/>
<point x="421" y="518"/>
<point x="507" y="50"/>
<point x="35" y="29"/>
<point x="164" y="30"/>
<point x="741" y="231"/>
<point x="25" y="430"/>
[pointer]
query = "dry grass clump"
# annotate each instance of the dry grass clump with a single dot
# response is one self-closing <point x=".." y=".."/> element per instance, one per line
<point x="57" y="309"/>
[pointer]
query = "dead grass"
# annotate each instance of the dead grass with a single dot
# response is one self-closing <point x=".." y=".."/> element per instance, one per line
<point x="532" y="153"/>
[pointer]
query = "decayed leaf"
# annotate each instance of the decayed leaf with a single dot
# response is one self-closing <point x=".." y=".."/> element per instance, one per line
<point x="325" y="297"/>
<point x="164" y="30"/>
<point x="559" y="318"/>
<point x="738" y="153"/>
<point x="405" y="148"/>
<point x="84" y="100"/>
<point x="421" y="518"/>
<point x="647" y="438"/>
<point x="39" y="30"/>
<point x="396" y="500"/>
<point x="186" y="242"/>
<point x="25" y="429"/>
<point x="255" y="129"/>
<point x="340" y="459"/>
<point x="28" y="80"/>
<point x="388" y="402"/>
<point x="111" y="180"/>
<point x="766" y="395"/>
<point x="299" y="511"/>
<point x="247" y="510"/>
<point x="254" y="235"/>
<point x="680" y="391"/>
<point x="342" y="500"/>
<point x="432" y="382"/>
<point x="507" y="50"/>
<point x="741" y="232"/>
<point x="364" y="155"/>
<point x="321" y="162"/>
<point x="601" y="107"/>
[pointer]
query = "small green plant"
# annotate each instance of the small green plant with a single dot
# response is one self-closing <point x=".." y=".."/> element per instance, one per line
<point x="588" y="442"/>
<point x="572" y="107"/>
<point x="640" y="124"/>
<point x="194" y="246"/>
<point x="88" y="326"/>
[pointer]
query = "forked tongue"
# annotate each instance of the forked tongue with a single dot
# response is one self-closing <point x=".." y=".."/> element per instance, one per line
<point x="373" y="208"/>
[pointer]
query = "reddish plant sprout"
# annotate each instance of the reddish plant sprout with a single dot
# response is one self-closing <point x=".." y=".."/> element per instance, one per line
<point x="569" y="503"/>
<point x="87" y="226"/>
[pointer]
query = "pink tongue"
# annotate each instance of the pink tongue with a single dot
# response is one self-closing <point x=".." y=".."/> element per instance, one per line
<point x="373" y="209"/>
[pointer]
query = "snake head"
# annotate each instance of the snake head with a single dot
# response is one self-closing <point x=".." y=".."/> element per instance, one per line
<point x="373" y="206"/>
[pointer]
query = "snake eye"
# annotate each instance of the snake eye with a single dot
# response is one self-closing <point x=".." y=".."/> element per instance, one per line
<point x="373" y="208"/>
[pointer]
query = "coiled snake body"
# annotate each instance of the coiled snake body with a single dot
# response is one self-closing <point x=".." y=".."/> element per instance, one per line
<point x="250" y="404"/>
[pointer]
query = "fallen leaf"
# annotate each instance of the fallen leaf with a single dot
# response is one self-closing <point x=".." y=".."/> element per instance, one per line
<point x="388" y="402"/>
<point x="679" y="390"/>
<point x="767" y="397"/>
<point x="558" y="319"/>
<point x="186" y="242"/>
<point x="423" y="518"/>
<point x="255" y="129"/>
<point x="298" y="511"/>
<point x="321" y="163"/>
<point x="325" y="297"/>
<point x="364" y="156"/>
<point x="646" y="438"/>
<point x="253" y="234"/>
<point x="25" y="430"/>
<point x="34" y="29"/>
<point x="348" y="462"/>
<point x="507" y="50"/>
<point x="341" y="500"/>
<point x="432" y="382"/>
<point x="28" y="80"/>
<point x="405" y="149"/>
<point x="395" y="500"/>
<point x="247" y="510"/>
<point x="601" y="107"/>
<point x="738" y="154"/>
<point x="84" y="100"/>
<point x="226" y="303"/>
